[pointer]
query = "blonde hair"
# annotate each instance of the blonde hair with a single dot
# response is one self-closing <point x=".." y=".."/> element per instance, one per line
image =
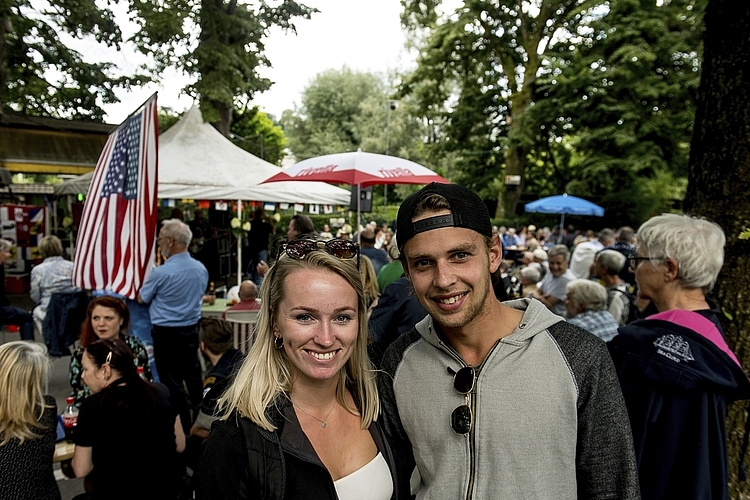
<point x="50" y="246"/>
<point x="265" y="375"/>
<point x="369" y="279"/>
<point x="24" y="374"/>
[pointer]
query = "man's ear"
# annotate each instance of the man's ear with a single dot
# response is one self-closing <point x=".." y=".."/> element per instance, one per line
<point x="496" y="253"/>
<point x="406" y="270"/>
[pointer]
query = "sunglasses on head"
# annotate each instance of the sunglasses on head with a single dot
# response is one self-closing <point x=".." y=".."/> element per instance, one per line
<point x="463" y="382"/>
<point x="343" y="249"/>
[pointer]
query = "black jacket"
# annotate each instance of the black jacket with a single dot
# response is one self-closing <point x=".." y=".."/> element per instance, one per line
<point x="677" y="377"/>
<point x="62" y="324"/>
<point x="241" y="460"/>
<point x="396" y="313"/>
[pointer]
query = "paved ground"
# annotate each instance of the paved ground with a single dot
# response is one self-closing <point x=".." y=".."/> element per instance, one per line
<point x="59" y="388"/>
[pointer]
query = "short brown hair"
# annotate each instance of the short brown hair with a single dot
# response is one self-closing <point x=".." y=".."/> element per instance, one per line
<point x="216" y="334"/>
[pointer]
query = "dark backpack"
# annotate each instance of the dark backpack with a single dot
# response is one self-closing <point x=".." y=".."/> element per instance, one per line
<point x="633" y="312"/>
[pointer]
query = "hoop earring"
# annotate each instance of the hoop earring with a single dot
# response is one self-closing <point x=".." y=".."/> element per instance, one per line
<point x="278" y="343"/>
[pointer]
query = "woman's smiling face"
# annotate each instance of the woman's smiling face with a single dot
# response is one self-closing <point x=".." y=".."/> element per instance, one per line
<point x="317" y="318"/>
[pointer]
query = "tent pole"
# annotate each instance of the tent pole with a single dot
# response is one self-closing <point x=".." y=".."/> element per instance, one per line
<point x="562" y="224"/>
<point x="239" y="245"/>
<point x="359" y="200"/>
<point x="72" y="241"/>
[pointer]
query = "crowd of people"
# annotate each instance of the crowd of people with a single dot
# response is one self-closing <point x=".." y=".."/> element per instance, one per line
<point x="444" y="359"/>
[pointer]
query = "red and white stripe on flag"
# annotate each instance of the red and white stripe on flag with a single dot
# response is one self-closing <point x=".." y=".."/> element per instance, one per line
<point x="115" y="250"/>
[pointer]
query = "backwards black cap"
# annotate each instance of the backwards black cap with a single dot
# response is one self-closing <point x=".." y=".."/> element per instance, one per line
<point x="467" y="211"/>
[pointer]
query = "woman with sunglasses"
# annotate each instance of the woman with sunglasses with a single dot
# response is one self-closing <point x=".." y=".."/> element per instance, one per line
<point x="675" y="369"/>
<point x="299" y="420"/>
<point x="129" y="435"/>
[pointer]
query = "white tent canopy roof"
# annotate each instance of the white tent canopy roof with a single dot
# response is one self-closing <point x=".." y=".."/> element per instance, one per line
<point x="76" y="185"/>
<point x="197" y="162"/>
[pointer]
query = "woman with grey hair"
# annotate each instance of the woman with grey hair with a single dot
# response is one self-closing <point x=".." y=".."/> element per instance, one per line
<point x="53" y="275"/>
<point x="608" y="266"/>
<point x="586" y="306"/>
<point x="676" y="371"/>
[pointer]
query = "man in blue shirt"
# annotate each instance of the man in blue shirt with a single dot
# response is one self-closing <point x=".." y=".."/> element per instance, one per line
<point x="174" y="292"/>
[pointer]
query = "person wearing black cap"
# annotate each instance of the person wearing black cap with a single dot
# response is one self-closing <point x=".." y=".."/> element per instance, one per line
<point x="490" y="399"/>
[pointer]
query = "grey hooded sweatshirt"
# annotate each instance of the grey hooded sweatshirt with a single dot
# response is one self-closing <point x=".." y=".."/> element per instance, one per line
<point x="549" y="421"/>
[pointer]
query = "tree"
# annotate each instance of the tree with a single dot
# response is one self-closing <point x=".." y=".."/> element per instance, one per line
<point x="40" y="75"/>
<point x="226" y="54"/>
<point x="255" y="132"/>
<point x="624" y="96"/>
<point x="483" y="63"/>
<point x="330" y="116"/>
<point x="167" y="118"/>
<point x="343" y="110"/>
<point x="719" y="178"/>
<point x="525" y="88"/>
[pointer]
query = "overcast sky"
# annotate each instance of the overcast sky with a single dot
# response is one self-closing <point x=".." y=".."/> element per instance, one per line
<point x="364" y="35"/>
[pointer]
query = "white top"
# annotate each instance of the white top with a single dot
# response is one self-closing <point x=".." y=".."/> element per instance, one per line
<point x="371" y="482"/>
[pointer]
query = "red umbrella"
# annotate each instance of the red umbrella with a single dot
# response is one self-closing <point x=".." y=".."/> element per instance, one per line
<point x="358" y="169"/>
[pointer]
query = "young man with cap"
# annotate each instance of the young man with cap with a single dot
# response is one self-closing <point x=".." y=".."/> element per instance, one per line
<point x="491" y="399"/>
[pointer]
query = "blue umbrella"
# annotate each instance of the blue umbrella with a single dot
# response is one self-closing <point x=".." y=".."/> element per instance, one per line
<point x="564" y="204"/>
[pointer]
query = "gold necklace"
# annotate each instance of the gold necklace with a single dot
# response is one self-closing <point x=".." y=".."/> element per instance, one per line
<point x="322" y="422"/>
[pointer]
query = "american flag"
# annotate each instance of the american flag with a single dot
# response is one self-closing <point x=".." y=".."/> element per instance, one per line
<point x="115" y="249"/>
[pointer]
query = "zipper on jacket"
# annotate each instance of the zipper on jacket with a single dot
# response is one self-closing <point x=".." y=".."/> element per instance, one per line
<point x="473" y="406"/>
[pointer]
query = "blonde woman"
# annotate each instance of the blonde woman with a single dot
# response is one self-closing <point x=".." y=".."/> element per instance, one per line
<point x="369" y="282"/>
<point x="28" y="423"/>
<point x="299" y="420"/>
<point x="53" y="275"/>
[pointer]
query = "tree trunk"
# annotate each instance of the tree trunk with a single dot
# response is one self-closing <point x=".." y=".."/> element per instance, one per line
<point x="5" y="26"/>
<point x="719" y="181"/>
<point x="509" y="195"/>
<point x="518" y="150"/>
<point x="225" y="117"/>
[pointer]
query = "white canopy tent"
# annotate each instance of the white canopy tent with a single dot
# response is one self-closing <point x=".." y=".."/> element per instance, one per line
<point x="197" y="162"/>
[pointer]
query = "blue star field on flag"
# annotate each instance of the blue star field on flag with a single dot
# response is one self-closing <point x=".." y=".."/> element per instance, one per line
<point x="122" y="177"/>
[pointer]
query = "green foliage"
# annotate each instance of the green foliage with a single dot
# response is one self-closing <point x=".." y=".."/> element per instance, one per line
<point x="255" y="132"/>
<point x="220" y="42"/>
<point x="331" y="113"/>
<point x="477" y="75"/>
<point x="592" y="98"/>
<point x="624" y="96"/>
<point x="40" y="75"/>
<point x="167" y="118"/>
<point x="343" y="110"/>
